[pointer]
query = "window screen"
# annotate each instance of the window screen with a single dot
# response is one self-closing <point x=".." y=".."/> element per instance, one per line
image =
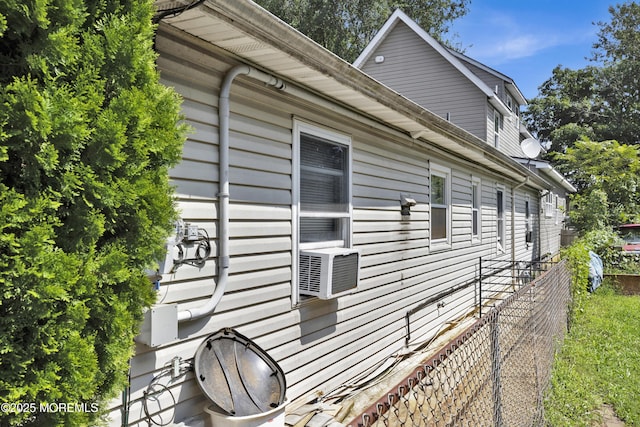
<point x="438" y="207"/>
<point x="324" y="189"/>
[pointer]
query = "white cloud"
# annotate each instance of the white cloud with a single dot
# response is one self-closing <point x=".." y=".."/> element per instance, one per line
<point x="522" y="46"/>
<point x="499" y="36"/>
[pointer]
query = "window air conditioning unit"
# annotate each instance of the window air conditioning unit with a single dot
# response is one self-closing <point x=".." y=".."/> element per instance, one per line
<point x="328" y="273"/>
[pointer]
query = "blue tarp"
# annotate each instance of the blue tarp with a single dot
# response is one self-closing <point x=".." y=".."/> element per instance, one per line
<point x="595" y="271"/>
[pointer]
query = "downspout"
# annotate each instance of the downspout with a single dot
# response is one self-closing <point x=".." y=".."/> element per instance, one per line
<point x="513" y="229"/>
<point x="223" y="195"/>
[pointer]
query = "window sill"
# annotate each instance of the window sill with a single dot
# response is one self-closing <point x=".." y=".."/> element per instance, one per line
<point x="440" y="246"/>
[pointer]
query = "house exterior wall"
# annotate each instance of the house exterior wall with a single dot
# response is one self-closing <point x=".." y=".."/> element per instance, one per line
<point x="414" y="69"/>
<point x="552" y="216"/>
<point x="510" y="131"/>
<point x="403" y="49"/>
<point x="319" y="344"/>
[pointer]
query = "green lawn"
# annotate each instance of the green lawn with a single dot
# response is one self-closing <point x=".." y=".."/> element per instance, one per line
<point x="599" y="362"/>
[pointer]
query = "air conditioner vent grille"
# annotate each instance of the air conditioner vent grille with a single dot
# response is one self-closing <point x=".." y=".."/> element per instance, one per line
<point x="326" y="273"/>
<point x="344" y="274"/>
<point x="310" y="273"/>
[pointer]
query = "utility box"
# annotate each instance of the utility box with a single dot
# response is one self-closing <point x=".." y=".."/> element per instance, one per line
<point x="160" y="325"/>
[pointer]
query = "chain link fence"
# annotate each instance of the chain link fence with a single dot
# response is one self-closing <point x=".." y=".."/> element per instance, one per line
<point x="500" y="278"/>
<point x="493" y="374"/>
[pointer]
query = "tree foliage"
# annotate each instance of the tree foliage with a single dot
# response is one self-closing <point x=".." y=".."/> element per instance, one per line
<point x="601" y="101"/>
<point x="346" y="27"/>
<point x="607" y="177"/>
<point x="87" y="135"/>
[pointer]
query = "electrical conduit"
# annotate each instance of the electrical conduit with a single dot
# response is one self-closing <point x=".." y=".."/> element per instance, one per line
<point x="223" y="195"/>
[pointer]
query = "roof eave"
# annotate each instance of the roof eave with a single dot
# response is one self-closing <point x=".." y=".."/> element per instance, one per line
<point x="261" y="26"/>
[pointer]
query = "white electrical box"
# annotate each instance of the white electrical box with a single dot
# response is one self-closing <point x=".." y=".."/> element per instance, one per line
<point x="160" y="325"/>
<point x="192" y="233"/>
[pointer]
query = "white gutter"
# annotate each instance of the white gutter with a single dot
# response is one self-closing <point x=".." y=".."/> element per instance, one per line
<point x="546" y="168"/>
<point x="223" y="195"/>
<point x="559" y="178"/>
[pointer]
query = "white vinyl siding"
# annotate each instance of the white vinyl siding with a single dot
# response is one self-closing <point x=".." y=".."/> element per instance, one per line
<point x="416" y="70"/>
<point x="510" y="131"/>
<point x="319" y="344"/>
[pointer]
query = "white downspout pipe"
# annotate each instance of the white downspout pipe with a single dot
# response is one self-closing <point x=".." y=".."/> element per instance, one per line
<point x="223" y="194"/>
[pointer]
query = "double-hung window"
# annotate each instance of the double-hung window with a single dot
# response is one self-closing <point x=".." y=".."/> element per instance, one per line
<point x="548" y="205"/>
<point x="500" y="219"/>
<point x="475" y="209"/>
<point x="322" y="187"/>
<point x="527" y="220"/>
<point x="497" y="124"/>
<point x="440" y="205"/>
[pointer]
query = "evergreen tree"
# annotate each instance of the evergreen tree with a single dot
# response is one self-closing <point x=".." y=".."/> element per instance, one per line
<point x="87" y="135"/>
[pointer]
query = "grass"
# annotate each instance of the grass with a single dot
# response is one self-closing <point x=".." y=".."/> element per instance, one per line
<point x="599" y="362"/>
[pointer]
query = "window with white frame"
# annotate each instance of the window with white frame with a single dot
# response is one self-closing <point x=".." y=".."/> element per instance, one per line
<point x="440" y="204"/>
<point x="548" y="205"/>
<point x="527" y="220"/>
<point x="509" y="102"/>
<point x="475" y="209"/>
<point x="322" y="187"/>
<point x="500" y="219"/>
<point x="527" y="214"/>
<point x="497" y="124"/>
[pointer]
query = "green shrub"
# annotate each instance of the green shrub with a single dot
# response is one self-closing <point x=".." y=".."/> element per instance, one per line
<point x="87" y="135"/>
<point x="602" y="242"/>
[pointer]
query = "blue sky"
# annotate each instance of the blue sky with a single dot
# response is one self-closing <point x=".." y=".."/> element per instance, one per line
<point x="526" y="40"/>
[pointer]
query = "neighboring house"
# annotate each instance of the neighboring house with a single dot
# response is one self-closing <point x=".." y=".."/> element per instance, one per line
<point x="477" y="98"/>
<point x="296" y="154"/>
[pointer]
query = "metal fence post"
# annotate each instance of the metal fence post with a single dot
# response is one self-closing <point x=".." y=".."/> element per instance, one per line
<point x="480" y="289"/>
<point x="503" y="361"/>
<point x="494" y="333"/>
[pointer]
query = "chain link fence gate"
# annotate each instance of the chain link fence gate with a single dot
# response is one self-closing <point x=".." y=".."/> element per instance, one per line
<point x="493" y="374"/>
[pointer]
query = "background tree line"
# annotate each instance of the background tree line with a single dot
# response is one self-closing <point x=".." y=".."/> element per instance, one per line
<point x="346" y="27"/>
<point x="590" y="120"/>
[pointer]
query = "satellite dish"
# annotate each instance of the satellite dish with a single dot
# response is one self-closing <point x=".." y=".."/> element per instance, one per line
<point x="531" y="147"/>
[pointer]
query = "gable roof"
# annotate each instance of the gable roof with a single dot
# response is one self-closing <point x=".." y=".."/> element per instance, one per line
<point x="256" y="37"/>
<point x="508" y="80"/>
<point x="400" y="17"/>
